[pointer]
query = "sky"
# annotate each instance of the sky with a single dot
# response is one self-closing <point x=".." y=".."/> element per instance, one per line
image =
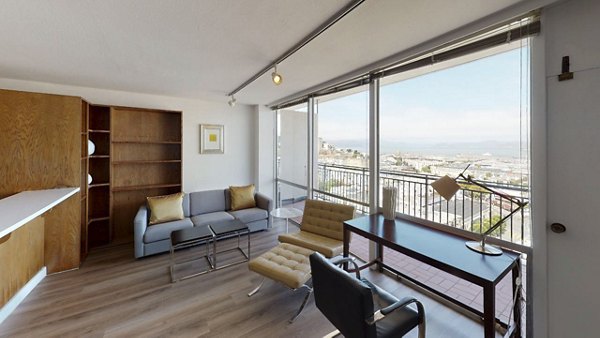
<point x="475" y="106"/>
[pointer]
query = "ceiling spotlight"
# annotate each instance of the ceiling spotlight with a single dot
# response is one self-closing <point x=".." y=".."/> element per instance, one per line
<point x="277" y="78"/>
<point x="232" y="101"/>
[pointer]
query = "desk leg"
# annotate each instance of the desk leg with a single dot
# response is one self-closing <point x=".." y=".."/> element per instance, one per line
<point x="517" y="308"/>
<point x="489" y="310"/>
<point x="379" y="257"/>
<point x="346" y="252"/>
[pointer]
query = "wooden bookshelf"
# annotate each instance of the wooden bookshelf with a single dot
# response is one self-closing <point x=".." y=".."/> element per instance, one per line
<point x="146" y="147"/>
<point x="98" y="222"/>
<point x="138" y="154"/>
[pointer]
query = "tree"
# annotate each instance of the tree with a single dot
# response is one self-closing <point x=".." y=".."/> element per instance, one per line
<point x="426" y="169"/>
<point x="477" y="227"/>
<point x="330" y="184"/>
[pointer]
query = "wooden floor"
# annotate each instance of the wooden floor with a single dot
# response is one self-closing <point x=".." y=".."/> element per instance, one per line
<point x="114" y="295"/>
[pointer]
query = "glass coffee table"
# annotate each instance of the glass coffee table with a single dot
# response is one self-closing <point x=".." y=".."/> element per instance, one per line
<point x="286" y="213"/>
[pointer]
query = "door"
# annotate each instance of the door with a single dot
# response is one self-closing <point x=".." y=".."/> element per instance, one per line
<point x="573" y="132"/>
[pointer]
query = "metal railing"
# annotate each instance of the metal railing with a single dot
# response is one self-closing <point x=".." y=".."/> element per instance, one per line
<point x="471" y="209"/>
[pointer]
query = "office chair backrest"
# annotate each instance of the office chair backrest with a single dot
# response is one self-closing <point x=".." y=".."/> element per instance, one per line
<point x="326" y="218"/>
<point x="343" y="299"/>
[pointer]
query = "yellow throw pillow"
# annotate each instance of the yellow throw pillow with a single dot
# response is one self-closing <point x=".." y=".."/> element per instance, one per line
<point x="165" y="208"/>
<point x="242" y="197"/>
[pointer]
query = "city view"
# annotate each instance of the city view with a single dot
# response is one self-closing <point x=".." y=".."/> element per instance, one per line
<point x="476" y="117"/>
<point x="343" y="172"/>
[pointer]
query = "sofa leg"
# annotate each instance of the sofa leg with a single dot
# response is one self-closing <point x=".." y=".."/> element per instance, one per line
<point x="257" y="288"/>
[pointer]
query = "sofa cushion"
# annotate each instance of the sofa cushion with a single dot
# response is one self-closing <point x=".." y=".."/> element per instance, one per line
<point x="203" y="202"/>
<point x="250" y="215"/>
<point x="204" y="219"/>
<point x="186" y="205"/>
<point x="242" y="197"/>
<point x="165" y="208"/>
<point x="163" y="230"/>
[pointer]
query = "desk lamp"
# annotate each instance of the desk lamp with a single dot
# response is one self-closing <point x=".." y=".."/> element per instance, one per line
<point x="447" y="188"/>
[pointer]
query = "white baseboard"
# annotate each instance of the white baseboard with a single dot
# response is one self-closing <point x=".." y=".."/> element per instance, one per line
<point x="12" y="304"/>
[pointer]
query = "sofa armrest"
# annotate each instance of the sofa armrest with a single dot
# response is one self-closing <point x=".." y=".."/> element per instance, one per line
<point x="263" y="202"/>
<point x="140" y="223"/>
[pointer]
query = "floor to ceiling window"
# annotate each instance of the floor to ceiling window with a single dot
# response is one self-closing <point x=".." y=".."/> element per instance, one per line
<point x="341" y="128"/>
<point x="430" y="118"/>
<point x="341" y="133"/>
<point x="468" y="112"/>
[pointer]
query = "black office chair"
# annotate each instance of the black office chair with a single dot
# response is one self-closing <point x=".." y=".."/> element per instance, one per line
<point x="358" y="308"/>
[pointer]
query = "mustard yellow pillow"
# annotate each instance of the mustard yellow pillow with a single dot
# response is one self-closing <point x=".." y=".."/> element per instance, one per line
<point x="165" y="208"/>
<point x="242" y="197"/>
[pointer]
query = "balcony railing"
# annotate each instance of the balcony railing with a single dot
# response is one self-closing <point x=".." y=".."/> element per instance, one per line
<point x="471" y="209"/>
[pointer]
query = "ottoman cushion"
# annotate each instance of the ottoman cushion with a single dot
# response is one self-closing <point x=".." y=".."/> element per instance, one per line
<point x="285" y="263"/>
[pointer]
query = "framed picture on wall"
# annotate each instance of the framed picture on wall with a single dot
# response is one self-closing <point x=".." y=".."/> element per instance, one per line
<point x="212" y="139"/>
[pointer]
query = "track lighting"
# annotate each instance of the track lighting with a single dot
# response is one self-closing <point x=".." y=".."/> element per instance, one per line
<point x="232" y="101"/>
<point x="277" y="78"/>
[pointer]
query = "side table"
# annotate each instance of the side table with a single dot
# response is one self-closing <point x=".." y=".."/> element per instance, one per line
<point x="286" y="213"/>
<point x="225" y="229"/>
<point x="185" y="238"/>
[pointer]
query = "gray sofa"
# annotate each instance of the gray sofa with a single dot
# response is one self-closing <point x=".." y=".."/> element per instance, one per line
<point x="200" y="209"/>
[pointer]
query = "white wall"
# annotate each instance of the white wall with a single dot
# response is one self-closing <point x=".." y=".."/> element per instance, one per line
<point x="293" y="154"/>
<point x="573" y="139"/>
<point x="265" y="148"/>
<point x="235" y="167"/>
<point x="537" y="286"/>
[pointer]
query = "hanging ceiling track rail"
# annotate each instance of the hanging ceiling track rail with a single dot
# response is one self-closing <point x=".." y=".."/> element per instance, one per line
<point x="322" y="28"/>
<point x="485" y="40"/>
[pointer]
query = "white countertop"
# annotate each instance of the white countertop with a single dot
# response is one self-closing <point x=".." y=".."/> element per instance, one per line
<point x="21" y="208"/>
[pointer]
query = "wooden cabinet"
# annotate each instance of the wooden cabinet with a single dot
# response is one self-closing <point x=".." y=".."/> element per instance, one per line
<point x="44" y="139"/>
<point x="138" y="154"/>
<point x="84" y="179"/>
<point x="40" y="140"/>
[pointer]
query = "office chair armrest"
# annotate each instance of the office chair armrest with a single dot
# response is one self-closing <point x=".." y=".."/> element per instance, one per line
<point x="380" y="314"/>
<point x="339" y="260"/>
<point x="400" y="304"/>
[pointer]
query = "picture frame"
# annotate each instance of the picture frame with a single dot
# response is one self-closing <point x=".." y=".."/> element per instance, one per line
<point x="212" y="139"/>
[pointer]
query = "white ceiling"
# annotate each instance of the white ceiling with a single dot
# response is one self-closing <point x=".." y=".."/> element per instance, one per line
<point x="206" y="48"/>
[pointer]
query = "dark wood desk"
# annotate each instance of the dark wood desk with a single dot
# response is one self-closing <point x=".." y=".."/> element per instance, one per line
<point x="444" y="251"/>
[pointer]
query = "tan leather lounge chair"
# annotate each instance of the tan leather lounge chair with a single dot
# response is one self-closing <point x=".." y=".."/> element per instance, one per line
<point x="322" y="228"/>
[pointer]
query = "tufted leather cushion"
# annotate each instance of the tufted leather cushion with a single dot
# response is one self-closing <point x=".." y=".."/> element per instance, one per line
<point x="284" y="263"/>
<point x="326" y="246"/>
<point x="325" y="218"/>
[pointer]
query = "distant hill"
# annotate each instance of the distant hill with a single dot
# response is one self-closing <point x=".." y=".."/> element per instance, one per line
<point x="489" y="148"/>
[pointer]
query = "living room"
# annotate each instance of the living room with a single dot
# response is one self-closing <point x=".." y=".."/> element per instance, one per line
<point x="118" y="60"/>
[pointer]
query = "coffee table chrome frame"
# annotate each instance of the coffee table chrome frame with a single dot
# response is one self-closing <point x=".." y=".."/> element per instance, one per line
<point x="211" y="260"/>
<point x="245" y="231"/>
